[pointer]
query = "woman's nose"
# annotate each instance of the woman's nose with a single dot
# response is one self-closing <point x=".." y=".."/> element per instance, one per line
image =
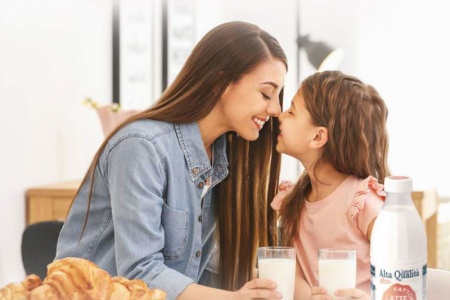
<point x="274" y="108"/>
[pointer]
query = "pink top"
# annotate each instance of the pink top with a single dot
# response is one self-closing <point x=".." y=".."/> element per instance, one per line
<point x="341" y="221"/>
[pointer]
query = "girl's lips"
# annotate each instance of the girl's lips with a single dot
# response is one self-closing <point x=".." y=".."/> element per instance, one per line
<point x="280" y="133"/>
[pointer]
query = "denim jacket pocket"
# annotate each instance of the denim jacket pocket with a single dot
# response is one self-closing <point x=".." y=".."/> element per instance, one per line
<point x="175" y="224"/>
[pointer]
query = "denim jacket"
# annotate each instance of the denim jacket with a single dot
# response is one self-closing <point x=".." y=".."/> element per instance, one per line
<point x="147" y="219"/>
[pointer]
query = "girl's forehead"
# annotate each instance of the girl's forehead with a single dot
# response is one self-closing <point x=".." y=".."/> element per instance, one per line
<point x="298" y="99"/>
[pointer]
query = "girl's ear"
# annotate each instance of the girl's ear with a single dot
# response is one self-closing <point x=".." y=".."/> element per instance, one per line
<point x="320" y="138"/>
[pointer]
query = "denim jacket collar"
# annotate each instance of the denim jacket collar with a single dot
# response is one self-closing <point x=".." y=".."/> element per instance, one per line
<point x="191" y="142"/>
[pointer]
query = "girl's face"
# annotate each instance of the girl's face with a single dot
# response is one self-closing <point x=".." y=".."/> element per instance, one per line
<point x="297" y="132"/>
<point x="249" y="102"/>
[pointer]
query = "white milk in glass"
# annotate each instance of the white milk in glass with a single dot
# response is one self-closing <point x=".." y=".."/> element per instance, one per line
<point x="337" y="274"/>
<point x="282" y="271"/>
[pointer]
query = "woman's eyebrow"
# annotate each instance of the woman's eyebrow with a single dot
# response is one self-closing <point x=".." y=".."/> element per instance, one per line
<point x="271" y="83"/>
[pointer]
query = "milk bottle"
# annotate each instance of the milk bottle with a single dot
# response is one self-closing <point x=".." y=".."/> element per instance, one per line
<point x="398" y="248"/>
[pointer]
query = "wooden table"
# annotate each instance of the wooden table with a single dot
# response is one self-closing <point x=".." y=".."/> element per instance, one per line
<point x="50" y="202"/>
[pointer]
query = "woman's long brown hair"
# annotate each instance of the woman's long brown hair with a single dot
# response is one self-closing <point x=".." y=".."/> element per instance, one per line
<point x="355" y="116"/>
<point x="244" y="218"/>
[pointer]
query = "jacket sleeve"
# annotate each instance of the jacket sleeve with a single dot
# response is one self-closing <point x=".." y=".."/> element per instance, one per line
<point x="136" y="178"/>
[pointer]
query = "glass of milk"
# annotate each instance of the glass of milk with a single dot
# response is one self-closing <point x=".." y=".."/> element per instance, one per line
<point x="337" y="269"/>
<point x="278" y="264"/>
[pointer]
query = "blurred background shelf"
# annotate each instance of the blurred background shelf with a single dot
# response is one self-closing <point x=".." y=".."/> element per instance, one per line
<point x="50" y="202"/>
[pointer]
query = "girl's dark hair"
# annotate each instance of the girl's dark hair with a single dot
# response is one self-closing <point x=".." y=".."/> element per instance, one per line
<point x="355" y="116"/>
<point x="223" y="56"/>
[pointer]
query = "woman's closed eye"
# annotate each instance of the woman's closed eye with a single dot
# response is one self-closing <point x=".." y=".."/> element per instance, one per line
<point x="265" y="96"/>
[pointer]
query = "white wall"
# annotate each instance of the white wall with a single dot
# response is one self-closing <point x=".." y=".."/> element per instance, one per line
<point x="55" y="53"/>
<point x="409" y="62"/>
<point x="401" y="48"/>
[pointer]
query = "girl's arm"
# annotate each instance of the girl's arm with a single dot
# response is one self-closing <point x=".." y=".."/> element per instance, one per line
<point x="369" y="229"/>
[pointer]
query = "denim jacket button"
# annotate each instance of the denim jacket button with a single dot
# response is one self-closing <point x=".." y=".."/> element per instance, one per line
<point x="200" y="185"/>
<point x="198" y="253"/>
<point x="200" y="218"/>
<point x="195" y="171"/>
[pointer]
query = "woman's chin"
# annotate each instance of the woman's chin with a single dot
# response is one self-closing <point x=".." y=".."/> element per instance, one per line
<point x="253" y="136"/>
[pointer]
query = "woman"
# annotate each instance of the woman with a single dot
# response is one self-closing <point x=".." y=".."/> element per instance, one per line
<point x="159" y="184"/>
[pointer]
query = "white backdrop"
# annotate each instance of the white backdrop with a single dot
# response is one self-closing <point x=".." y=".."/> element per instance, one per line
<point x="54" y="53"/>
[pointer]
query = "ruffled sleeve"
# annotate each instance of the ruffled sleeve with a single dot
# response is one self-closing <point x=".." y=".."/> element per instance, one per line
<point x="367" y="203"/>
<point x="284" y="189"/>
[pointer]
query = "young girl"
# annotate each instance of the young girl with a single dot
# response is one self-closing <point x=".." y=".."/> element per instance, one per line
<point x="336" y="127"/>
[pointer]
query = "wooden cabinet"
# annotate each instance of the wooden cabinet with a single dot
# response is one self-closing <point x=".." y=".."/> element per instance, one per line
<point x="427" y="203"/>
<point x="50" y="202"/>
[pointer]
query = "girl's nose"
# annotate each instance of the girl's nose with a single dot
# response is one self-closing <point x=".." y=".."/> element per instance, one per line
<point x="281" y="117"/>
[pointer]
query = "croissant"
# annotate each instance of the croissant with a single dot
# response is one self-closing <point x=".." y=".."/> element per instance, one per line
<point x="19" y="291"/>
<point x="79" y="279"/>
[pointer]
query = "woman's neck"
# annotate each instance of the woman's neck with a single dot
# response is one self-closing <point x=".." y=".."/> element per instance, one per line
<point x="210" y="130"/>
<point x="324" y="181"/>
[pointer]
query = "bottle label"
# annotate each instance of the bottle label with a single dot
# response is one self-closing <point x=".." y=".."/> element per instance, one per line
<point x="391" y="282"/>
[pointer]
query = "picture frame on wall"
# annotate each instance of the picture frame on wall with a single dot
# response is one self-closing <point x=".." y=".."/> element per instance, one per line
<point x="136" y="54"/>
<point x="151" y="42"/>
<point x="179" y="34"/>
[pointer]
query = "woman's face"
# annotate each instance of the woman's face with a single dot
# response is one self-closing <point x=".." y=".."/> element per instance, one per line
<point x="296" y="130"/>
<point x="249" y="102"/>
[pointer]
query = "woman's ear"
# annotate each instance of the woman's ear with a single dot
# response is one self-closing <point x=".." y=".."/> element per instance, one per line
<point x="320" y="138"/>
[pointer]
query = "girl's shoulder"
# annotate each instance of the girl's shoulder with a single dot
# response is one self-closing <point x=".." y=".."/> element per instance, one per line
<point x="369" y="194"/>
<point x="356" y="190"/>
<point x="369" y="187"/>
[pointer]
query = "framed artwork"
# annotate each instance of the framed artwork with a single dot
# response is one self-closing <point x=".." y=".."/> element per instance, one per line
<point x="136" y="31"/>
<point x="178" y="36"/>
<point x="151" y="41"/>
